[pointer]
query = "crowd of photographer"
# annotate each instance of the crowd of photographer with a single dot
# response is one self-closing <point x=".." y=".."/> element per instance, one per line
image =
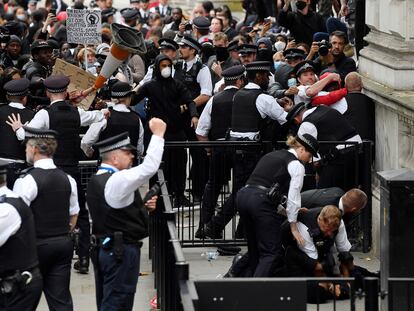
<point x="285" y="71"/>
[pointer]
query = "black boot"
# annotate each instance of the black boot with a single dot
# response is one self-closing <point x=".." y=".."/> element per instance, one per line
<point x="82" y="265"/>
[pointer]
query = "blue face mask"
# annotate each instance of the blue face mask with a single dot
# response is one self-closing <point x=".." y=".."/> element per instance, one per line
<point x="277" y="64"/>
<point x="291" y="82"/>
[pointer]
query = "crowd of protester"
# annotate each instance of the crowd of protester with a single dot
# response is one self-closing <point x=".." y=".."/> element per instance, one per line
<point x="286" y="70"/>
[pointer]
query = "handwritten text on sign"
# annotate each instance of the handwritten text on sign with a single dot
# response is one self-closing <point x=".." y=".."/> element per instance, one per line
<point x="84" y="26"/>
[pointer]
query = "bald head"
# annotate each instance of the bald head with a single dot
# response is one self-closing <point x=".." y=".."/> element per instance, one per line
<point x="354" y="200"/>
<point x="353" y="82"/>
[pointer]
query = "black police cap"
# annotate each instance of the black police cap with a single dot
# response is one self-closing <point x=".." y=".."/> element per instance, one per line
<point x="233" y="45"/>
<point x="310" y="143"/>
<point x="18" y="87"/>
<point x="129" y="14"/>
<point x="302" y="67"/>
<point x="258" y="66"/>
<point x="294" y="53"/>
<point x="295" y="111"/>
<point x="56" y="83"/>
<point x="30" y="132"/>
<point x="247" y="49"/>
<point x="107" y="12"/>
<point x="187" y="40"/>
<point x="166" y="43"/>
<point x="120" y="141"/>
<point x="121" y="89"/>
<point x="233" y="73"/>
<point x="201" y="22"/>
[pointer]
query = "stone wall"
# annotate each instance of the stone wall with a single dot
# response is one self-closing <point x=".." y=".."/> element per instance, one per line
<point x="387" y="65"/>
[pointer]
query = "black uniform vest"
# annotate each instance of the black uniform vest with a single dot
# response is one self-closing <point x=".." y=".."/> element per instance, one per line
<point x="131" y="220"/>
<point x="271" y="169"/>
<point x="19" y="252"/>
<point x="51" y="206"/>
<point x="322" y="243"/>
<point x="189" y="78"/>
<point x="10" y="146"/>
<point x="65" y="119"/>
<point x="245" y="116"/>
<point x="221" y="113"/>
<point x="120" y="122"/>
<point x="331" y="126"/>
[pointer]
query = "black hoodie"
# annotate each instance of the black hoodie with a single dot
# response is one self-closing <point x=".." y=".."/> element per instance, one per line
<point x="166" y="95"/>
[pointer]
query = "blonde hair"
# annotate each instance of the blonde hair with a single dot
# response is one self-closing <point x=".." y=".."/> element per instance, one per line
<point x="292" y="142"/>
<point x="330" y="216"/>
<point x="220" y="36"/>
<point x="81" y="53"/>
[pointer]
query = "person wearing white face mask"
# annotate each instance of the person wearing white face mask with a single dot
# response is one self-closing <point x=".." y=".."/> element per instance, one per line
<point x="168" y="99"/>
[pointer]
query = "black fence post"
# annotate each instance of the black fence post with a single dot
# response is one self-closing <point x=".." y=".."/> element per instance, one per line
<point x="371" y="294"/>
<point x="366" y="187"/>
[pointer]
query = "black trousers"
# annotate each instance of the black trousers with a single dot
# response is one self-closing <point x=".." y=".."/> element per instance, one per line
<point x="263" y="229"/>
<point x="175" y="160"/>
<point x="83" y="218"/>
<point x="220" y="167"/>
<point x="25" y="298"/>
<point x="244" y="162"/>
<point x="55" y="257"/>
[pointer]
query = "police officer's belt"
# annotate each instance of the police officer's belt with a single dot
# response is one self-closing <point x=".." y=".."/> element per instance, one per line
<point x="258" y="187"/>
<point x="12" y="281"/>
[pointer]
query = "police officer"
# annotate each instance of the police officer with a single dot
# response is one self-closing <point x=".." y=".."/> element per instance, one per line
<point x="197" y="79"/>
<point x="119" y="217"/>
<point x="122" y="119"/>
<point x="11" y="147"/>
<point x="278" y="174"/>
<point x="214" y="124"/>
<point x="338" y="160"/>
<point x="130" y="16"/>
<point x="321" y="229"/>
<point x="20" y="278"/>
<point x="52" y="197"/>
<point x="248" y="119"/>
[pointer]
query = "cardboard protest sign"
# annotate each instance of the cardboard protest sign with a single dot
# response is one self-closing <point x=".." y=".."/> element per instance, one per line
<point x="79" y="80"/>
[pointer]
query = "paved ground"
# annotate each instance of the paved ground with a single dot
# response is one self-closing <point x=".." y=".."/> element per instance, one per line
<point x="82" y="286"/>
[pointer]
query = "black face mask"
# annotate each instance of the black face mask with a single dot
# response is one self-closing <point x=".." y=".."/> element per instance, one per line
<point x="264" y="55"/>
<point x="301" y="5"/>
<point x="221" y="53"/>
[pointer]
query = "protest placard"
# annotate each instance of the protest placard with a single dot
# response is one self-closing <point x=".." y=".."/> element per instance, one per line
<point x="84" y="26"/>
<point x="79" y="80"/>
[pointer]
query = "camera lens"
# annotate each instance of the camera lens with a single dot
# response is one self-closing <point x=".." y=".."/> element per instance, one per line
<point x="323" y="50"/>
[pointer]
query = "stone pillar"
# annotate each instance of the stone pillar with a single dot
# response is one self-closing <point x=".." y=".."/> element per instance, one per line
<point x="387" y="66"/>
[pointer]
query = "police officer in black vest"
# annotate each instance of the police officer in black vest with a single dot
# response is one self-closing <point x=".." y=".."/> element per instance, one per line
<point x="119" y="217"/>
<point x="251" y="108"/>
<point x="277" y="177"/>
<point x="11" y="147"/>
<point x="197" y="79"/>
<point x="52" y="197"/>
<point x="66" y="119"/>
<point x="321" y="229"/>
<point x="214" y="124"/>
<point x="337" y="168"/>
<point x="122" y="119"/>
<point x="20" y="278"/>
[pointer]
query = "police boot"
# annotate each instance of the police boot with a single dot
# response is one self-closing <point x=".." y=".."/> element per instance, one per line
<point x="82" y="265"/>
